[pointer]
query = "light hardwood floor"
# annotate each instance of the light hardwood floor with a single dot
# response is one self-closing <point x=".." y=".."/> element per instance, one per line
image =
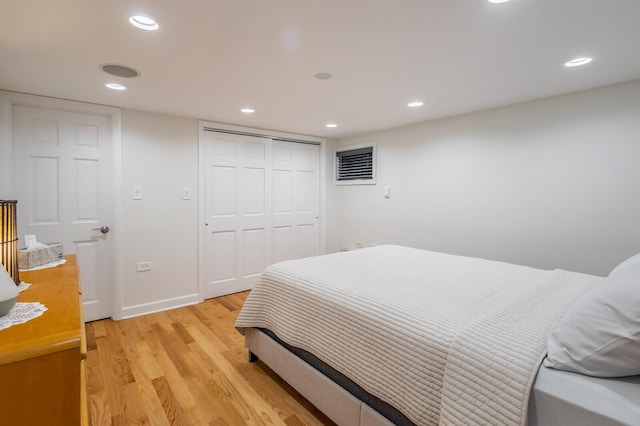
<point x="186" y="366"/>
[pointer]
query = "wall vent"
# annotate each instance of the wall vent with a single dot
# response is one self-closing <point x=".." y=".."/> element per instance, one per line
<point x="355" y="165"/>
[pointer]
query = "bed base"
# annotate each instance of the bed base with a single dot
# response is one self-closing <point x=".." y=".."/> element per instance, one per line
<point x="335" y="402"/>
<point x="557" y="397"/>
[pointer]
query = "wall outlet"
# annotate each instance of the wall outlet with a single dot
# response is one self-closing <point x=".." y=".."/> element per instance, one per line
<point x="143" y="266"/>
<point x="359" y="244"/>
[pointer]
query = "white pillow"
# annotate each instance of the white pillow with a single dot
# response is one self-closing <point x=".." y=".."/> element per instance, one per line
<point x="600" y="333"/>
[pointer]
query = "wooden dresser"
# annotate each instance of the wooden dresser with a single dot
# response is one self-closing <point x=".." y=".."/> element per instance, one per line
<point x="42" y="360"/>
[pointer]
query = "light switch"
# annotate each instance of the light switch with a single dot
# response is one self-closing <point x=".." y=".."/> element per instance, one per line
<point x="137" y="193"/>
<point x="186" y="193"/>
<point x="387" y="192"/>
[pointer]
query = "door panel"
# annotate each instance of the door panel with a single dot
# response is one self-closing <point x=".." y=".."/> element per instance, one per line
<point x="236" y="211"/>
<point x="222" y="259"/>
<point x="296" y="187"/>
<point x="43" y="191"/>
<point x="63" y="182"/>
<point x="283" y="244"/>
<point x="253" y="255"/>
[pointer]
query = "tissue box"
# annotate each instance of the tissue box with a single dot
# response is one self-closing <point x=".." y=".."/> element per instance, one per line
<point x="29" y="259"/>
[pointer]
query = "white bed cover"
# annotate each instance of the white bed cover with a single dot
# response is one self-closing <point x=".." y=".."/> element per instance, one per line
<point x="444" y="339"/>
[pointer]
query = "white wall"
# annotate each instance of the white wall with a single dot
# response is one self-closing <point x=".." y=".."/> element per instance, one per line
<point x="160" y="154"/>
<point x="550" y="183"/>
<point x="331" y="226"/>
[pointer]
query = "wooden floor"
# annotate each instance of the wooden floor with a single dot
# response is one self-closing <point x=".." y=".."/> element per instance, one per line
<point x="187" y="366"/>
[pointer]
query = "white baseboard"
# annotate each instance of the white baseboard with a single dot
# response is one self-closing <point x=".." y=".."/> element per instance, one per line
<point x="159" y="306"/>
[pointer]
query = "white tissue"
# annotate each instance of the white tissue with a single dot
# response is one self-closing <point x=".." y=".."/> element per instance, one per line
<point x="31" y="242"/>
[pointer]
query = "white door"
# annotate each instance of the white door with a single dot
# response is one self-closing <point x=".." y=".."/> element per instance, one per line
<point x="237" y="211"/>
<point x="262" y="199"/>
<point x="63" y="184"/>
<point x="295" y="192"/>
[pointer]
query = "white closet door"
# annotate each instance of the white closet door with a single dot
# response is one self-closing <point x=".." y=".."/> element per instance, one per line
<point x="261" y="207"/>
<point x="238" y="207"/>
<point x="295" y="192"/>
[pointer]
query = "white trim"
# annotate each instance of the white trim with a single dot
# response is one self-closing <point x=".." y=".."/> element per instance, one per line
<point x="322" y="208"/>
<point x="202" y="228"/>
<point x="267" y="133"/>
<point x="356" y="181"/>
<point x="159" y="306"/>
<point x="6" y="147"/>
<point x="7" y="101"/>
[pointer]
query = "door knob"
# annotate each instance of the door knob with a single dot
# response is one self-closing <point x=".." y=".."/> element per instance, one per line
<point x="103" y="229"/>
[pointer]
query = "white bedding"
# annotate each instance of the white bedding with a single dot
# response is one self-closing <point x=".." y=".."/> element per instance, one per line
<point x="570" y="399"/>
<point x="444" y="339"/>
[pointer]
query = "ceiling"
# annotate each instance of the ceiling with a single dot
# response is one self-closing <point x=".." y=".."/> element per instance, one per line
<point x="210" y="58"/>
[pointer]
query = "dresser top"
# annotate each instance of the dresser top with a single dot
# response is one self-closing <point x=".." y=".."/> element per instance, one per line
<point x="56" y="329"/>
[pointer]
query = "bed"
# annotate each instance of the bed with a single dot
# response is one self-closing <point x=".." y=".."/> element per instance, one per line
<point x="394" y="335"/>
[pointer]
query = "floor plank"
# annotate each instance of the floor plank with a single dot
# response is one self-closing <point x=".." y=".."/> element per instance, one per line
<point x="187" y="366"/>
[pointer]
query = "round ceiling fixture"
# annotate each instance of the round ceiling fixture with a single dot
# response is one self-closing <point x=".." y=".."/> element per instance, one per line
<point x="115" y="86"/>
<point x="143" y="22"/>
<point x="248" y="110"/>
<point x="415" y="104"/>
<point x="119" y="70"/>
<point x="331" y="125"/>
<point x="323" y="76"/>
<point x="578" y="62"/>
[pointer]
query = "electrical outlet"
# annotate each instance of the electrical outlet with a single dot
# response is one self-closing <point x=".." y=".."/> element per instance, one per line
<point x="359" y="244"/>
<point x="143" y="266"/>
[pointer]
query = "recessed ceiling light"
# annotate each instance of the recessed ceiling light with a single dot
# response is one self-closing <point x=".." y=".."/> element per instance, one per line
<point x="577" y="62"/>
<point x="323" y="76"/>
<point x="115" y="86"/>
<point x="331" y="125"/>
<point x="415" y="104"/>
<point x="248" y="110"/>
<point x="144" y="23"/>
<point x="498" y="1"/>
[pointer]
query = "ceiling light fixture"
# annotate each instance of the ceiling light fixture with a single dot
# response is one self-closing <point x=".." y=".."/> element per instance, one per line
<point x="115" y="86"/>
<point x="144" y="23"/>
<point x="119" y="70"/>
<point x="415" y="104"/>
<point x="578" y="62"/>
<point x="498" y="1"/>
<point x="323" y="76"/>
<point x="331" y="125"/>
<point x="248" y="110"/>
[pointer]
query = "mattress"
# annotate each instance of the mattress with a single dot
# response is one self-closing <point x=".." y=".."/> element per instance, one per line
<point x="441" y="338"/>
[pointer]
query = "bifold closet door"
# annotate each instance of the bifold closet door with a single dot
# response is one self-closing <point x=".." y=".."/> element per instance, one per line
<point x="261" y="207"/>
